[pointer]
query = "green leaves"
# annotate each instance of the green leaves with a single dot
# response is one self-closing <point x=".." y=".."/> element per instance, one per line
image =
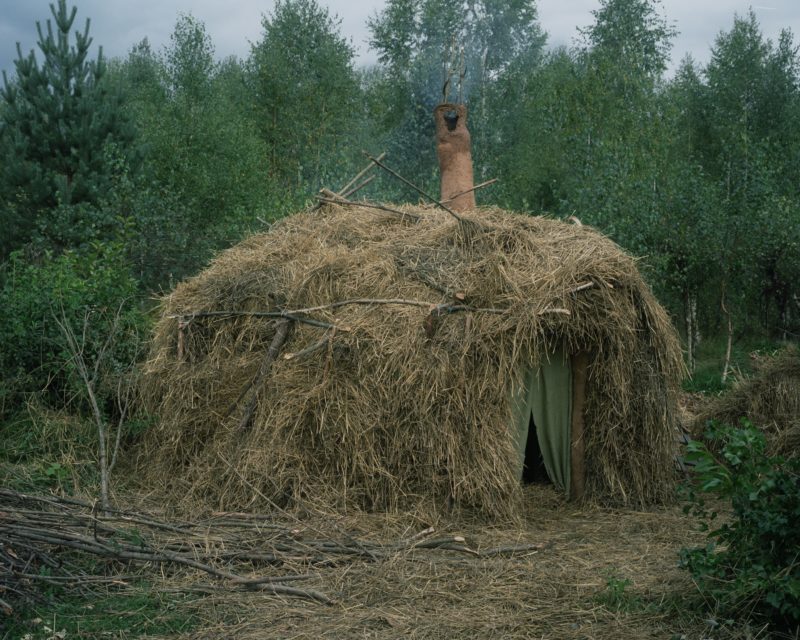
<point x="432" y="51"/>
<point x="751" y="563"/>
<point x="189" y="60"/>
<point x="632" y="36"/>
<point x="35" y="289"/>
<point x="305" y="94"/>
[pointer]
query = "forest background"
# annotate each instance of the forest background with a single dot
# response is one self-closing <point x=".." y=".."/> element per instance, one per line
<point x="119" y="178"/>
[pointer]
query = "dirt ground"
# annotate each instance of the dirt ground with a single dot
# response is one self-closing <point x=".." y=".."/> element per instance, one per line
<point x="599" y="574"/>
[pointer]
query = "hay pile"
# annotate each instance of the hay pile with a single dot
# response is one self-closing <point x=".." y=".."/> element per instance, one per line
<point x="769" y="398"/>
<point x="390" y="404"/>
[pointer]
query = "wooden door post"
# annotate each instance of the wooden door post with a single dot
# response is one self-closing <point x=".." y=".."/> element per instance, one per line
<point x="577" y="480"/>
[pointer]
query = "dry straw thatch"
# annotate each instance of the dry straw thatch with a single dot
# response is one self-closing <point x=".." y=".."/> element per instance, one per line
<point x="391" y="403"/>
<point x="769" y="398"/>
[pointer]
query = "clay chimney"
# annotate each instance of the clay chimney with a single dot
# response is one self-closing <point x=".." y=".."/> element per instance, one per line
<point x="455" y="157"/>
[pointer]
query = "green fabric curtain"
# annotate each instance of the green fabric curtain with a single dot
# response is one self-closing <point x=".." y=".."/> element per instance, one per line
<point x="546" y="393"/>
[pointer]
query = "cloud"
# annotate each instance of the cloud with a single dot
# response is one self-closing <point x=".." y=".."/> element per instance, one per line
<point x="235" y="24"/>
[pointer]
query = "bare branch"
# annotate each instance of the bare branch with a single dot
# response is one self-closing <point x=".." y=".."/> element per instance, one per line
<point x="359" y="175"/>
<point x="408" y="183"/>
<point x="335" y="199"/>
<point x="281" y="334"/>
<point x="475" y="188"/>
<point x="187" y="317"/>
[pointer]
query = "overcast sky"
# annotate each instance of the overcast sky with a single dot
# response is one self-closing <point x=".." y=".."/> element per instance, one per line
<point x="234" y="24"/>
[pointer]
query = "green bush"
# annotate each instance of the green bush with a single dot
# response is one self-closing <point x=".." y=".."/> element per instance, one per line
<point x="751" y="565"/>
<point x="88" y="289"/>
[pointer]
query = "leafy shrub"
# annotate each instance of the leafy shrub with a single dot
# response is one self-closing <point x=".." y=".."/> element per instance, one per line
<point x="35" y="291"/>
<point x="751" y="564"/>
<point x="617" y="596"/>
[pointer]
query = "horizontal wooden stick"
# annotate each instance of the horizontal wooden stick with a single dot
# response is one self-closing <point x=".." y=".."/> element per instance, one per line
<point x="434" y="307"/>
<point x="366" y="301"/>
<point x="368" y="205"/>
<point x="471" y="189"/>
<point x="295" y="314"/>
<point x="258" y="314"/>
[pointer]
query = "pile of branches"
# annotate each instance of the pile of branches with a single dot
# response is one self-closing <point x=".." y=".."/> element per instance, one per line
<point x="73" y="544"/>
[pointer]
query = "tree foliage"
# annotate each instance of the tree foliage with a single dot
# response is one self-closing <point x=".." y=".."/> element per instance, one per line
<point x="433" y="51"/>
<point x="305" y="93"/>
<point x="36" y="290"/>
<point x="206" y="176"/>
<point x="699" y="170"/>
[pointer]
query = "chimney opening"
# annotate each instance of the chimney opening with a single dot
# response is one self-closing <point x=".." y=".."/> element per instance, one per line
<point x="451" y="119"/>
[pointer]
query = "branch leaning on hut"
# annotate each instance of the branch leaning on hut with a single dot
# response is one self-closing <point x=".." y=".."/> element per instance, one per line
<point x="297" y="314"/>
<point x="286" y="319"/>
<point x="329" y="197"/>
<point x="488" y="183"/>
<point x="351" y="187"/>
<point x="282" y="329"/>
<point x="463" y="221"/>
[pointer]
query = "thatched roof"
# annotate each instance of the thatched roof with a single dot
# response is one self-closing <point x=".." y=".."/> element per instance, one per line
<point x="769" y="398"/>
<point x="408" y="400"/>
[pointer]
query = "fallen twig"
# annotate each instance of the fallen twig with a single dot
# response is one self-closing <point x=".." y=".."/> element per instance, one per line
<point x="513" y="549"/>
<point x="51" y="530"/>
<point x="6" y="608"/>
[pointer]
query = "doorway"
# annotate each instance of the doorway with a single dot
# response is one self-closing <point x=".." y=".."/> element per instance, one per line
<point x="542" y="416"/>
<point x="548" y="423"/>
<point x="534" y="470"/>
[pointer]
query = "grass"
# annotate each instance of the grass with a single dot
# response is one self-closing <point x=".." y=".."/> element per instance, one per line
<point x="45" y="450"/>
<point x="710" y="360"/>
<point x="130" y="614"/>
<point x="602" y="573"/>
<point x="618" y="596"/>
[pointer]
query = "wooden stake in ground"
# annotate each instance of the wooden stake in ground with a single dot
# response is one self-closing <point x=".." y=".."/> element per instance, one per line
<point x="727" y="366"/>
<point x="455" y="156"/>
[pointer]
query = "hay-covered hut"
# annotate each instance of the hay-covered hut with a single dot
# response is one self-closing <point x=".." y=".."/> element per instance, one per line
<point x="358" y="357"/>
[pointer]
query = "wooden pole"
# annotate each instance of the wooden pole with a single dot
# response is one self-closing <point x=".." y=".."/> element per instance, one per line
<point x="577" y="484"/>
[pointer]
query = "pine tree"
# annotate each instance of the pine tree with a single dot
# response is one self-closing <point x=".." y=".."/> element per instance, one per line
<point x="63" y="135"/>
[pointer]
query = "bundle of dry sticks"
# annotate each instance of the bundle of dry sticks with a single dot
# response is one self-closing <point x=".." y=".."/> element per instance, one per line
<point x="63" y="541"/>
